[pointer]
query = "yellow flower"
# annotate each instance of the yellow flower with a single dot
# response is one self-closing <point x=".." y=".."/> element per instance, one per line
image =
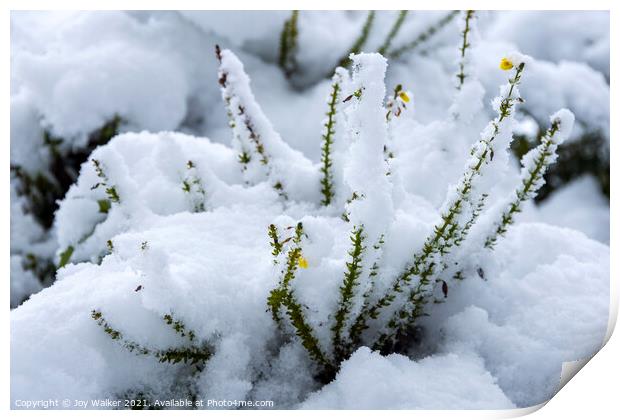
<point x="404" y="96"/>
<point x="302" y="262"/>
<point x="505" y="64"/>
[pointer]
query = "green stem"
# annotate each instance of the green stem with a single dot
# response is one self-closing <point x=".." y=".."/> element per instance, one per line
<point x="327" y="184"/>
<point x="442" y="239"/>
<point x="191" y="354"/>
<point x="461" y="75"/>
<point x="360" y="41"/>
<point x="347" y="290"/>
<point x="528" y="185"/>
<point x="424" y="36"/>
<point x="288" y="45"/>
<point x="393" y="32"/>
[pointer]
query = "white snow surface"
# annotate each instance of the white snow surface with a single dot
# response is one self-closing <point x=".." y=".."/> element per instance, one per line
<point x="213" y="271"/>
<point x="370" y="381"/>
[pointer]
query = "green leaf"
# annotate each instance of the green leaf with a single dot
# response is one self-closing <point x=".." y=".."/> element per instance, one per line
<point x="65" y="256"/>
<point x="104" y="206"/>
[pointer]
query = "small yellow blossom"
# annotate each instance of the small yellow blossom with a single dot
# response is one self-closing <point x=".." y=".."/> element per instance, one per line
<point x="302" y="262"/>
<point x="404" y="96"/>
<point x="505" y="64"/>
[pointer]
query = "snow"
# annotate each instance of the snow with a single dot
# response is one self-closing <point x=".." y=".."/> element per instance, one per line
<point x="533" y="310"/>
<point x="533" y="167"/>
<point x="565" y="120"/>
<point x="365" y="169"/>
<point x="148" y="90"/>
<point x="525" y="328"/>
<point x="164" y="219"/>
<point x="254" y="134"/>
<point x="589" y="210"/>
<point x="23" y="282"/>
<point x="370" y="381"/>
<point x="176" y="274"/>
<point x="148" y="171"/>
<point x="590" y="43"/>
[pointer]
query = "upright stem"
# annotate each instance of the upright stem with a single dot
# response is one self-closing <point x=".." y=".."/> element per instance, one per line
<point x="327" y="183"/>
<point x="393" y="32"/>
<point x="424" y="36"/>
<point x="464" y="46"/>
<point x="360" y="41"/>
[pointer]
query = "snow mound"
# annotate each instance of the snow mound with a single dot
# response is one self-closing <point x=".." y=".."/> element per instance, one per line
<point x="372" y="382"/>
<point x="213" y="271"/>
<point x="152" y="174"/>
<point x="532" y="310"/>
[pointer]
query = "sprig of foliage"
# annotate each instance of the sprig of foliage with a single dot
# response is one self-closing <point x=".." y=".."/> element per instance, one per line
<point x="255" y="137"/>
<point x="327" y="182"/>
<point x="531" y="181"/>
<point x="65" y="256"/>
<point x="468" y="16"/>
<point x="105" y="205"/>
<point x="179" y="327"/>
<point x="383" y="49"/>
<point x="110" y="190"/>
<point x="192" y="185"/>
<point x="45" y="188"/>
<point x="304" y="331"/>
<point x="354" y="196"/>
<point x="288" y="45"/>
<point x="228" y="93"/>
<point x="444" y="234"/>
<point x="189" y="354"/>
<point x="359" y="41"/>
<point x="279" y="294"/>
<point x="282" y="297"/>
<point x="276" y="245"/>
<point x="248" y="135"/>
<point x="424" y="36"/>
<point x="244" y="157"/>
<point x="347" y="291"/>
<point x="476" y="211"/>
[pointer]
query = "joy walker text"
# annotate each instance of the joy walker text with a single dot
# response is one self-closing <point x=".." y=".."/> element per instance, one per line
<point x="139" y="403"/>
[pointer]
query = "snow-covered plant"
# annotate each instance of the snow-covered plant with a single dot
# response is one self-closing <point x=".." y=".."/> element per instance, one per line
<point x="281" y="299"/>
<point x="110" y="190"/>
<point x="424" y="36"/>
<point x="261" y="152"/>
<point x="365" y="313"/>
<point x="335" y="97"/>
<point x="398" y="102"/>
<point x="366" y="176"/>
<point x="288" y="45"/>
<point x="585" y="156"/>
<point x="108" y="198"/>
<point x="39" y="189"/>
<point x="191" y="353"/>
<point x="534" y="166"/>
<point x="359" y="41"/>
<point x="468" y="25"/>
<point x="416" y="279"/>
<point x="387" y="43"/>
<point x="193" y="186"/>
<point x="194" y="269"/>
<point x="385" y="48"/>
